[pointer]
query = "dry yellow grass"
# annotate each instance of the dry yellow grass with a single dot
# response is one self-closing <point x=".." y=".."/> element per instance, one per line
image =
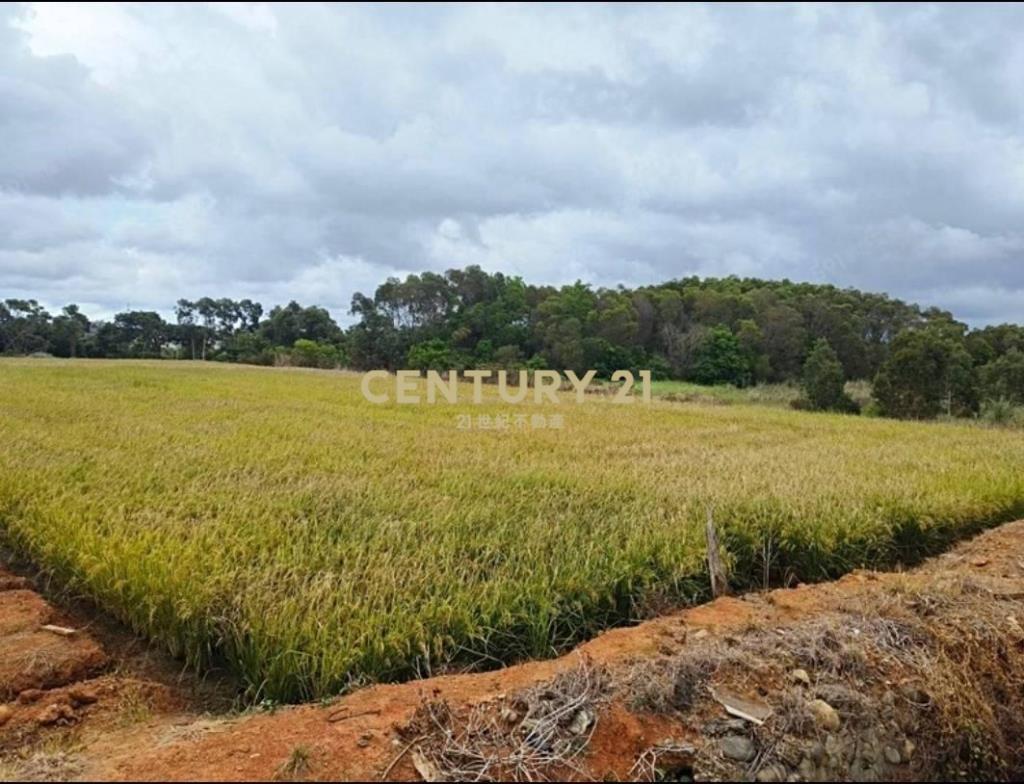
<point x="277" y="520"/>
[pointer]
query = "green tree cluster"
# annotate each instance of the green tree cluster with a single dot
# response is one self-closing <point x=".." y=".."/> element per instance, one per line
<point x="707" y="330"/>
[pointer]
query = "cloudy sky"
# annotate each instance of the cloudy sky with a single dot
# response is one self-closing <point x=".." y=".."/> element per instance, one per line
<point x="154" y="152"/>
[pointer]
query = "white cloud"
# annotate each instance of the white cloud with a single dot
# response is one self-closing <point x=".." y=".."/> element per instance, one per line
<point x="152" y="152"/>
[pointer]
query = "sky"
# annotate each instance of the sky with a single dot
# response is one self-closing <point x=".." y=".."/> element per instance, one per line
<point x="307" y="152"/>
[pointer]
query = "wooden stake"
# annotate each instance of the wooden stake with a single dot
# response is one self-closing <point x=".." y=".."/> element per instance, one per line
<point x="716" y="569"/>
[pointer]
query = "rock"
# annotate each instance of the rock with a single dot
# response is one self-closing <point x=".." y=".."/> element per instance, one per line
<point x="428" y="770"/>
<point x="916" y="695"/>
<point x="858" y="772"/>
<point x="581" y="722"/>
<point x="787" y="752"/>
<point x="11" y="583"/>
<point x="801" y="677"/>
<point x="908" y="749"/>
<point x="892" y="756"/>
<point x="719" y="727"/>
<point x="738" y="747"/>
<point x="824" y="715"/>
<point x="29" y="696"/>
<point x="807" y="768"/>
<point x="1016" y="630"/>
<point x="754" y="711"/>
<point x="816" y="753"/>
<point x="57" y="713"/>
<point x="83" y="695"/>
<point x="509" y="716"/>
<point x="771" y="773"/>
<point x="5" y="714"/>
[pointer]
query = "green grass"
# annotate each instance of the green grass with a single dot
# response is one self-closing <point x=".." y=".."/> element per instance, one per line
<point x="780" y="395"/>
<point x="275" y="520"/>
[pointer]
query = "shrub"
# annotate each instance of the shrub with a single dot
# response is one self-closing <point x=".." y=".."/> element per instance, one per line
<point x="928" y="373"/>
<point x="1003" y="378"/>
<point x="433" y="354"/>
<point x="309" y="353"/>
<point x="823" y="382"/>
<point x="719" y="359"/>
<point x="1002" y="412"/>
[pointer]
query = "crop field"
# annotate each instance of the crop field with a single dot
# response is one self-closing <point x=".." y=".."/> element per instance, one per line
<point x="275" y="521"/>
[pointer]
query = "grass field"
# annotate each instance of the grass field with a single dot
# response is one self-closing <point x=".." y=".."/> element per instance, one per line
<point x="275" y="520"/>
<point x="780" y="395"/>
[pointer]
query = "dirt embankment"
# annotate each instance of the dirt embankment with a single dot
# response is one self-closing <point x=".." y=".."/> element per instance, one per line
<point x="874" y="677"/>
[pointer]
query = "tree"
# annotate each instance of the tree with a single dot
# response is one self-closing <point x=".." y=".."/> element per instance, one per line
<point x="607" y="357"/>
<point x="248" y="347"/>
<point x="138" y="333"/>
<point x="68" y="330"/>
<point x="823" y="380"/>
<point x="207" y="309"/>
<point x="720" y="360"/>
<point x="309" y="353"/>
<point x="250" y="313"/>
<point x="681" y="347"/>
<point x="188" y="331"/>
<point x="726" y="330"/>
<point x="784" y="339"/>
<point x="293" y="322"/>
<point x="1003" y="378"/>
<point x="561" y="323"/>
<point x="227" y="314"/>
<point x="508" y="357"/>
<point x="992" y="342"/>
<point x="431" y="355"/>
<point x="24" y="327"/>
<point x="928" y="372"/>
<point x="374" y="342"/>
<point x="751" y="341"/>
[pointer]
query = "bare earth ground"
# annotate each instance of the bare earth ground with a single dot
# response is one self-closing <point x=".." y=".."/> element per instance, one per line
<point x="877" y="676"/>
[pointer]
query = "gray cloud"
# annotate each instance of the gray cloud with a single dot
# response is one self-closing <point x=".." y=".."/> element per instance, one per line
<point x="152" y="152"/>
<point x="61" y="134"/>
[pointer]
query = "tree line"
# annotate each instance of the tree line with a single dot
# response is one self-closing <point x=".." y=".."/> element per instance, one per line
<point x="740" y="331"/>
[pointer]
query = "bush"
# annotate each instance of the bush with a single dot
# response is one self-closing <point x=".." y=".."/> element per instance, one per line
<point x="1002" y="412"/>
<point x="861" y="393"/>
<point x="507" y="358"/>
<point x="248" y="348"/>
<point x="309" y="353"/>
<point x="1003" y="378"/>
<point x="927" y="373"/>
<point x="433" y="354"/>
<point x="719" y="359"/>
<point x="823" y="382"/>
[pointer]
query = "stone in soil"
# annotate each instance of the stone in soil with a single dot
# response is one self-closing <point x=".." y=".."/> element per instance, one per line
<point x="738" y="747"/>
<point x="824" y="715"/>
